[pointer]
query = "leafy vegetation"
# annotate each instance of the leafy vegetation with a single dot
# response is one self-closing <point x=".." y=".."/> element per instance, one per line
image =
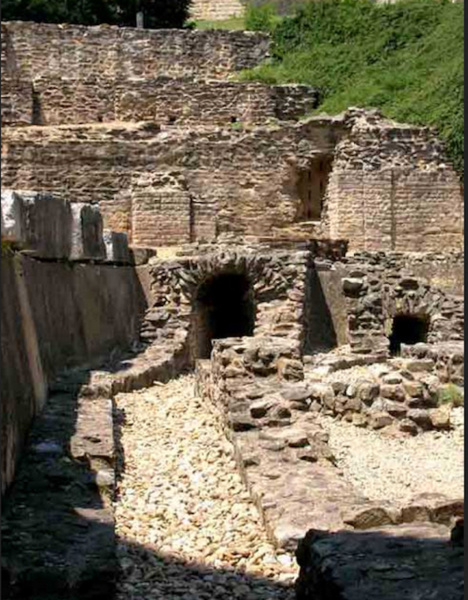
<point x="405" y="58"/>
<point x="7" y="248"/>
<point x="234" y="23"/>
<point x="157" y="13"/>
<point x="261" y="18"/>
<point x="451" y="394"/>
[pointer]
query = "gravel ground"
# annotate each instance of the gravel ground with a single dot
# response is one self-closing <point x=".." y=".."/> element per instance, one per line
<point x="186" y="526"/>
<point x="396" y="469"/>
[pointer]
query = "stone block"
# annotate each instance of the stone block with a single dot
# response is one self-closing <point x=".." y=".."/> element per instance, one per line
<point x="141" y="256"/>
<point x="440" y="417"/>
<point x="40" y="223"/>
<point x="368" y="392"/>
<point x="421" y="417"/>
<point x="12" y="217"/>
<point x="380" y="420"/>
<point x="393" y="392"/>
<point x="352" y="286"/>
<point x="290" y="369"/>
<point x="117" y="250"/>
<point x="87" y="233"/>
<point x="390" y="562"/>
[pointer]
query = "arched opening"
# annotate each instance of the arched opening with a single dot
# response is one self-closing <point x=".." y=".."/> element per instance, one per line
<point x="408" y="329"/>
<point x="224" y="308"/>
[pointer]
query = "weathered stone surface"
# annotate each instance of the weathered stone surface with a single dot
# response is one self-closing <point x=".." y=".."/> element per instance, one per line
<point x="116" y="246"/>
<point x="38" y="222"/>
<point x="379" y="420"/>
<point x="87" y="233"/>
<point x="440" y="417"/>
<point x="391" y="563"/>
<point x="12" y="217"/>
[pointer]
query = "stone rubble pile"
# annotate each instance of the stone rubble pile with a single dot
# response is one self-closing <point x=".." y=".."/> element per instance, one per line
<point x="403" y="393"/>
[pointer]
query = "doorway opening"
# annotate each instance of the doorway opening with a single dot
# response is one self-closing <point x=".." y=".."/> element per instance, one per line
<point x="224" y="308"/>
<point x="408" y="329"/>
<point x="312" y="187"/>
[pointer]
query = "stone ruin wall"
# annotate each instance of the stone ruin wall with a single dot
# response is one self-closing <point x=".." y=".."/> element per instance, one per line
<point x="393" y="190"/>
<point x="183" y="101"/>
<point x="80" y="52"/>
<point x="245" y="182"/>
<point x="389" y="188"/>
<point x="68" y="299"/>
<point x="111" y="74"/>
<point x="216" y="10"/>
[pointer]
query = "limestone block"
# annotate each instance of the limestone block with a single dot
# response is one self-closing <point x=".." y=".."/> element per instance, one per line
<point x="117" y="250"/>
<point x="39" y="223"/>
<point x="12" y="217"/>
<point x="42" y="221"/>
<point x="87" y="238"/>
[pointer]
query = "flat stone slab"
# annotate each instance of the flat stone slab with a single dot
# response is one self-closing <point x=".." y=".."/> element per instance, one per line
<point x="404" y="562"/>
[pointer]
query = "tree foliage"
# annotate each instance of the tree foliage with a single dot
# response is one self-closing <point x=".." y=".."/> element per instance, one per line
<point x="157" y="13"/>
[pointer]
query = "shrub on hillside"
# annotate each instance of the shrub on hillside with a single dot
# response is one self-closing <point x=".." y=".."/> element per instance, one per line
<point x="260" y="18"/>
<point x="405" y="58"/>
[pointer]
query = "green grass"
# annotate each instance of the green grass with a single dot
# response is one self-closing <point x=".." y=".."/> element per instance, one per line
<point x="232" y="24"/>
<point x="404" y="58"/>
<point x="451" y="394"/>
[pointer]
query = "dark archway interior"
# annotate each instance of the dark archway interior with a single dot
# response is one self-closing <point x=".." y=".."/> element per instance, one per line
<point x="224" y="308"/>
<point x="408" y="329"/>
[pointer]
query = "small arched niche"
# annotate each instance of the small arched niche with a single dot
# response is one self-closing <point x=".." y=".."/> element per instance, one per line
<point x="408" y="329"/>
<point x="224" y="307"/>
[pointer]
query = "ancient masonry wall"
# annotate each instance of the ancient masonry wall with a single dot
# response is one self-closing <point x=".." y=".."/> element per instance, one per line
<point x="118" y="52"/>
<point x="216" y="10"/>
<point x="277" y="280"/>
<point x="246" y="182"/>
<point x="183" y="101"/>
<point x="377" y="289"/>
<point x="214" y="181"/>
<point x="391" y="189"/>
<point x="58" y="311"/>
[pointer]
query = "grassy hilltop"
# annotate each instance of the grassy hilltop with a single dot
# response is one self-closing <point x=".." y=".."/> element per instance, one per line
<point x="404" y="58"/>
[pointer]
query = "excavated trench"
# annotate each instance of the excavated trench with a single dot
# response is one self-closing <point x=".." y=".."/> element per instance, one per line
<point x="186" y="526"/>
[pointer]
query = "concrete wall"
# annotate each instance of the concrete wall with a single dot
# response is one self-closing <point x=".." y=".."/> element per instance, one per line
<point x="57" y="315"/>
